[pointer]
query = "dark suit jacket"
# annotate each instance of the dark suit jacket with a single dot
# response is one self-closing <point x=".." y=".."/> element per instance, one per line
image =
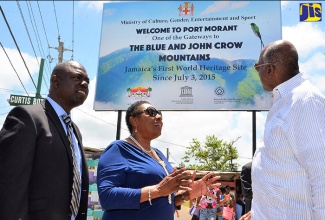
<point x="36" y="166"/>
<point x="246" y="185"/>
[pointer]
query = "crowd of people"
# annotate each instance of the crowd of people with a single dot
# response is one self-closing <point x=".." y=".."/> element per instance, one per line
<point x="44" y="173"/>
<point x="217" y="203"/>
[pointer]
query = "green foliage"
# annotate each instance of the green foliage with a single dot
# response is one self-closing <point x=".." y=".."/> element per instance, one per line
<point x="213" y="154"/>
<point x="249" y="86"/>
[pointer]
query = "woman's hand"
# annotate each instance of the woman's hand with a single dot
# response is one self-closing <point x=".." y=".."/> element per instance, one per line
<point x="200" y="187"/>
<point x="177" y="180"/>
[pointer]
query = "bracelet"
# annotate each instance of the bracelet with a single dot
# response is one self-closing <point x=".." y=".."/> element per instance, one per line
<point x="149" y="196"/>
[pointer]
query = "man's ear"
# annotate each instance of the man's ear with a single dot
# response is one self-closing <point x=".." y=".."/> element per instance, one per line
<point x="55" y="81"/>
<point x="270" y="69"/>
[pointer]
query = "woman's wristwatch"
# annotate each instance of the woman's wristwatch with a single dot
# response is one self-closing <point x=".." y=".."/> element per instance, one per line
<point x="183" y="197"/>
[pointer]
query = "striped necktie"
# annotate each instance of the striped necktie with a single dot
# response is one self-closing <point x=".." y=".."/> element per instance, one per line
<point x="74" y="206"/>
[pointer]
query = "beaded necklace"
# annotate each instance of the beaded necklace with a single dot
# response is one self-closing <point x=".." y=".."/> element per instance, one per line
<point x="161" y="162"/>
<point x="139" y="145"/>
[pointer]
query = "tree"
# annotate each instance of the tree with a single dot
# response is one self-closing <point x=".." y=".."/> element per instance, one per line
<point x="149" y="90"/>
<point x="214" y="154"/>
<point x="128" y="91"/>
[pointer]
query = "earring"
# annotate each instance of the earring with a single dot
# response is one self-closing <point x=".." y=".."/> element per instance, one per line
<point x="136" y="129"/>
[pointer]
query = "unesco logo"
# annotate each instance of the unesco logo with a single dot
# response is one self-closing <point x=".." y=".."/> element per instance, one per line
<point x="310" y="12"/>
<point x="219" y="91"/>
<point x="186" y="91"/>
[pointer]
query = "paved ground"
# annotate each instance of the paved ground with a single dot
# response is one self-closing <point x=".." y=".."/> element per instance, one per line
<point x="183" y="213"/>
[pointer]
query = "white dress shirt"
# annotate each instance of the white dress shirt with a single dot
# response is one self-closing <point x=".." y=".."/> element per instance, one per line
<point x="288" y="172"/>
<point x="60" y="111"/>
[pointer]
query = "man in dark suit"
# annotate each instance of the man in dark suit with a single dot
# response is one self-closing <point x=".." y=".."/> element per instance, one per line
<point x="246" y="184"/>
<point x="36" y="159"/>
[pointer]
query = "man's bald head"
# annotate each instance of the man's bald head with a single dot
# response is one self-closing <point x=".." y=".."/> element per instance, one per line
<point x="65" y="67"/>
<point x="284" y="55"/>
<point x="278" y="62"/>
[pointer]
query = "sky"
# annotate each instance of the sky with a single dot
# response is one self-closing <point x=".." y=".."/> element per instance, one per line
<point x="36" y="26"/>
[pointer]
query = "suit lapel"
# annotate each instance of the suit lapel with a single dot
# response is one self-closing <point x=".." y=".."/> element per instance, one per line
<point x="49" y="110"/>
<point x="56" y="121"/>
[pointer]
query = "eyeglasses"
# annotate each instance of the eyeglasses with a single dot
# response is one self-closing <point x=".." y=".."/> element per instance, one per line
<point x="152" y="112"/>
<point x="257" y="67"/>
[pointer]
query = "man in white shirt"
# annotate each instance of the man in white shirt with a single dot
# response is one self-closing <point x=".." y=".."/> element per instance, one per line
<point x="288" y="172"/>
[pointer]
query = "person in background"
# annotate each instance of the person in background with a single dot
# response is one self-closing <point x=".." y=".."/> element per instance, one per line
<point x="135" y="180"/>
<point x="228" y="204"/>
<point x="197" y="205"/>
<point x="36" y="159"/>
<point x="177" y="213"/>
<point x="240" y="206"/>
<point x="246" y="184"/>
<point x="222" y="191"/>
<point x="226" y="196"/>
<point x="288" y="178"/>
<point x="209" y="204"/>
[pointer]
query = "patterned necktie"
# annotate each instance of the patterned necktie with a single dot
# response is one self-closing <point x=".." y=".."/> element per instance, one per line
<point x="74" y="206"/>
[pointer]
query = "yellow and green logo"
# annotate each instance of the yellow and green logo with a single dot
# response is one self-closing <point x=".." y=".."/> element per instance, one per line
<point x="310" y="12"/>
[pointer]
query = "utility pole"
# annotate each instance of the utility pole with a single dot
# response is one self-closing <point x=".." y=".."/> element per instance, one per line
<point x="39" y="84"/>
<point x="16" y="100"/>
<point x="60" y="49"/>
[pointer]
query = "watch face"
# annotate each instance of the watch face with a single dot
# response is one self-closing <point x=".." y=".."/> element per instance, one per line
<point x="183" y="197"/>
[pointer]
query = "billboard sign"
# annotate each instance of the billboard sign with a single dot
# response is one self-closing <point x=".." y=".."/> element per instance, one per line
<point x="179" y="55"/>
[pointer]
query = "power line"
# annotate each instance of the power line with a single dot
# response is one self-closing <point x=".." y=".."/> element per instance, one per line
<point x="40" y="12"/>
<point x="11" y="90"/>
<point x="97" y="118"/>
<point x="60" y="48"/>
<point x="32" y="19"/>
<point x="57" y="24"/>
<point x="49" y="57"/>
<point x="13" y="66"/>
<point x="72" y="58"/>
<point x="13" y="37"/>
<point x="48" y="45"/>
<point x="171" y="143"/>
<point x="124" y="128"/>
<point x="173" y="158"/>
<point x="30" y="40"/>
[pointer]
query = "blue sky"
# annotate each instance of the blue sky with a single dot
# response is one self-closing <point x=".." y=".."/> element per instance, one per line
<point x="99" y="128"/>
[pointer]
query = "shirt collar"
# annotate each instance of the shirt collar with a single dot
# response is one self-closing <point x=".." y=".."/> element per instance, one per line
<point x="57" y="108"/>
<point x="287" y="86"/>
